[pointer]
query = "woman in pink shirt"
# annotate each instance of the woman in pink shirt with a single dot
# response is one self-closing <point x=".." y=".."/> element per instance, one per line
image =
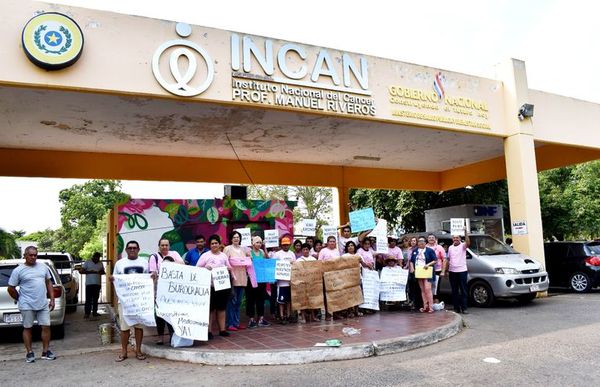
<point x="330" y="251"/>
<point x="218" y="299"/>
<point x="239" y="258"/>
<point x="366" y="254"/>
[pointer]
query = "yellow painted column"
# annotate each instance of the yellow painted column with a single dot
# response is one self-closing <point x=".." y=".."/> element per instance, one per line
<point x="521" y="169"/>
<point x="343" y="203"/>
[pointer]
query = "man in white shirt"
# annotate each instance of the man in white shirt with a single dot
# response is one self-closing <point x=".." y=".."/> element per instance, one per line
<point x="93" y="270"/>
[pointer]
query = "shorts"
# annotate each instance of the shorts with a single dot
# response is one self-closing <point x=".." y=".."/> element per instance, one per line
<point x="123" y="324"/>
<point x="42" y="316"/>
<point x="283" y="295"/>
<point x="219" y="299"/>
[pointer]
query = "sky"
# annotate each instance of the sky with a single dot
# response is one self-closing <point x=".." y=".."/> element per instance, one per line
<point x="556" y="39"/>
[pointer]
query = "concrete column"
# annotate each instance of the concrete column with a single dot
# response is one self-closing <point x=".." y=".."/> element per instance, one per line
<point x="521" y="169"/>
<point x="343" y="203"/>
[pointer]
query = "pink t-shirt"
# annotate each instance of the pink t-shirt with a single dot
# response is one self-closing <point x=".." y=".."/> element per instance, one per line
<point x="457" y="258"/>
<point x="326" y="254"/>
<point x="396" y="252"/>
<point x="366" y="256"/>
<point x="213" y="260"/>
<point x="440" y="253"/>
<point x="156" y="259"/>
<point x="342" y="243"/>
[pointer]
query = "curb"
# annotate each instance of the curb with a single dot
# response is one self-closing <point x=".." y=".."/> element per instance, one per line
<point x="307" y="355"/>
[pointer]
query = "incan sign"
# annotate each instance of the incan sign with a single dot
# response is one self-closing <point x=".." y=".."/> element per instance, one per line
<point x="52" y="41"/>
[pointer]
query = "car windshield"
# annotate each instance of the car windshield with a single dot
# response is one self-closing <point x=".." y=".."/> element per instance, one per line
<point x="593" y="248"/>
<point x="486" y="245"/>
<point x="5" y="272"/>
<point x="60" y="261"/>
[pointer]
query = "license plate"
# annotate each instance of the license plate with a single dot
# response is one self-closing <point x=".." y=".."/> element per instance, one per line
<point x="534" y="288"/>
<point x="13" y="318"/>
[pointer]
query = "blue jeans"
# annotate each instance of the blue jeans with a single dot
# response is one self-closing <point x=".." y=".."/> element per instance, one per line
<point x="458" y="283"/>
<point x="233" y="307"/>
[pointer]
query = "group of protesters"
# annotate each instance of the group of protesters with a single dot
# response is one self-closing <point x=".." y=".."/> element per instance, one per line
<point x="412" y="254"/>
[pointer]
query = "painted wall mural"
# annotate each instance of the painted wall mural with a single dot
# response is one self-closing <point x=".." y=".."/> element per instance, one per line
<point x="148" y="220"/>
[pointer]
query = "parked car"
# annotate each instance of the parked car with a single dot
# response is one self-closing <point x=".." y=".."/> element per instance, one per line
<point x="9" y="313"/>
<point x="573" y="264"/>
<point x="70" y="278"/>
<point x="496" y="270"/>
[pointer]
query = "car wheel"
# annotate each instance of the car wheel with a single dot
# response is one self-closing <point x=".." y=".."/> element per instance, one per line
<point x="58" y="331"/>
<point x="580" y="282"/>
<point x="526" y="298"/>
<point x="481" y="294"/>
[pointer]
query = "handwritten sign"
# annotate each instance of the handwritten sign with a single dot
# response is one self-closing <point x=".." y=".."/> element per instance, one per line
<point x="246" y="237"/>
<point x="342" y="288"/>
<point x="329" y="230"/>
<point x="309" y="227"/>
<point x="370" y="286"/>
<point x="271" y="238"/>
<point x="457" y="226"/>
<point x="380" y="234"/>
<point x="362" y="220"/>
<point x="183" y="299"/>
<point x="307" y="285"/>
<point x="136" y="295"/>
<point x="265" y="270"/>
<point x="283" y="270"/>
<point x="220" y="277"/>
<point x="392" y="284"/>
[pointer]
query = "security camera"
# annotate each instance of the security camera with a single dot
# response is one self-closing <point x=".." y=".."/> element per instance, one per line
<point x="526" y="111"/>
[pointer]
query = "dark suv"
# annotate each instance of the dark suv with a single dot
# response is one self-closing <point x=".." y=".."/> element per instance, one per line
<point x="573" y="264"/>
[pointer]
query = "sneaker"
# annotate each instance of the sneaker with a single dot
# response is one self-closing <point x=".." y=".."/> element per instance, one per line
<point x="284" y="321"/>
<point x="264" y="323"/>
<point x="48" y="355"/>
<point x="231" y="328"/>
<point x="30" y="358"/>
<point x="240" y="327"/>
<point x="252" y="324"/>
<point x="224" y="333"/>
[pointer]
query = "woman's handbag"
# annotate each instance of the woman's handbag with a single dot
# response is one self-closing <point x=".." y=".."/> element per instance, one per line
<point x="422" y="272"/>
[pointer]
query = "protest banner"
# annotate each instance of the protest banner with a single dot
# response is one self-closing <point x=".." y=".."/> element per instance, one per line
<point x="246" y="237"/>
<point x="307" y="285"/>
<point x="380" y="234"/>
<point x="457" y="226"/>
<point x="392" y="284"/>
<point x="283" y="270"/>
<point x="340" y="263"/>
<point x="362" y="220"/>
<point x="183" y="299"/>
<point x="342" y="289"/>
<point x="239" y="267"/>
<point x="240" y="261"/>
<point x="309" y="227"/>
<point x="265" y="270"/>
<point x="220" y="277"/>
<point x="271" y="238"/>
<point x="329" y="230"/>
<point x="370" y="287"/>
<point x="136" y="296"/>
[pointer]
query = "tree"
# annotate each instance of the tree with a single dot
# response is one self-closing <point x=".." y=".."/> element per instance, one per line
<point x="8" y="246"/>
<point x="46" y="240"/>
<point x="83" y="205"/>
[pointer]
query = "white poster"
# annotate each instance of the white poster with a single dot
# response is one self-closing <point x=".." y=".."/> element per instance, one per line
<point x="392" y="284"/>
<point x="519" y="227"/>
<point x="370" y="285"/>
<point x="183" y="299"/>
<point x="220" y="277"/>
<point x="283" y="270"/>
<point x="380" y="233"/>
<point x="457" y="226"/>
<point x="329" y="230"/>
<point x="271" y="238"/>
<point x="309" y="227"/>
<point x="136" y="295"/>
<point x="246" y="238"/>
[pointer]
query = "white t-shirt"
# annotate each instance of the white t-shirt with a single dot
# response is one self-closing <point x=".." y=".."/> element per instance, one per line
<point x="289" y="256"/>
<point x="92" y="279"/>
<point x="131" y="266"/>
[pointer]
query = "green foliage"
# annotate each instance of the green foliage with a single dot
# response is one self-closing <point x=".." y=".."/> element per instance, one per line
<point x="8" y="246"/>
<point x="406" y="209"/>
<point x="47" y="240"/>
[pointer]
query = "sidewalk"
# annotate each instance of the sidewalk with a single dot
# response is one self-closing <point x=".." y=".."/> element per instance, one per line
<point x="381" y="333"/>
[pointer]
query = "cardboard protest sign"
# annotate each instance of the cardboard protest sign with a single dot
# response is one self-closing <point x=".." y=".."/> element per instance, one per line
<point x="265" y="270"/>
<point x="341" y="263"/>
<point x="342" y="289"/>
<point x="370" y="286"/>
<point x="307" y="285"/>
<point x="271" y="238"/>
<point x="392" y="284"/>
<point x="246" y="237"/>
<point x="136" y="295"/>
<point x="183" y="299"/>
<point x="362" y="220"/>
<point x="283" y="270"/>
<point x="309" y="227"/>
<point x="220" y="277"/>
<point x="329" y="230"/>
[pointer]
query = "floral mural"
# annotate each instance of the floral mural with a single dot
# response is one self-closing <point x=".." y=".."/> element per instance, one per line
<point x="148" y="220"/>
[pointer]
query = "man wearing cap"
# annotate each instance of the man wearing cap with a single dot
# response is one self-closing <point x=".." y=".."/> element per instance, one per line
<point x="456" y="264"/>
<point x="283" y="287"/>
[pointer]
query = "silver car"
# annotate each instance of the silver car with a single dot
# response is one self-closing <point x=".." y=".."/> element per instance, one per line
<point x="496" y="270"/>
<point x="9" y="313"/>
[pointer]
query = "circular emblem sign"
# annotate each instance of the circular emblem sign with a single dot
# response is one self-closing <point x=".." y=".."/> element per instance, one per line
<point x="52" y="41"/>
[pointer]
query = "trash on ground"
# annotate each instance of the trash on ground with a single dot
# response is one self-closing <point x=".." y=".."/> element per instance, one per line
<point x="349" y="331"/>
<point x="330" y="343"/>
<point x="492" y="360"/>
